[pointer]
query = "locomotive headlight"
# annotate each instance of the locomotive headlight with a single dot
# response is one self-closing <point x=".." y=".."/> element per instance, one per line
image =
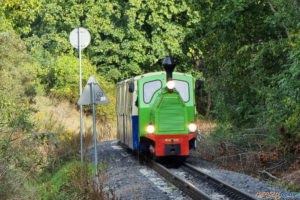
<point x="192" y="127"/>
<point x="150" y="129"/>
<point x="170" y="84"/>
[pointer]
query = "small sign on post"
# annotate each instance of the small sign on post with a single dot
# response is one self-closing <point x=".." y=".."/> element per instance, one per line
<point x="93" y="94"/>
<point x="99" y="97"/>
<point x="80" y="38"/>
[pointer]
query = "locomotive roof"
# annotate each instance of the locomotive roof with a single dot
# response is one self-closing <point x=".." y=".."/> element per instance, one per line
<point x="151" y="74"/>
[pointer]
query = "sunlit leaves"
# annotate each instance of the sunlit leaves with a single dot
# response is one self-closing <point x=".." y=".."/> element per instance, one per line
<point x="241" y="47"/>
<point x="20" y="13"/>
<point x="246" y="60"/>
<point x="135" y="33"/>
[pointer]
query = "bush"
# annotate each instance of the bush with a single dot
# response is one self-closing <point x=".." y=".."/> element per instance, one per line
<point x="251" y="150"/>
<point x="74" y="181"/>
<point x="19" y="158"/>
<point x="62" y="80"/>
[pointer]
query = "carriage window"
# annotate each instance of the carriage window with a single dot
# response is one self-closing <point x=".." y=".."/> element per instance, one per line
<point x="183" y="89"/>
<point x="150" y="88"/>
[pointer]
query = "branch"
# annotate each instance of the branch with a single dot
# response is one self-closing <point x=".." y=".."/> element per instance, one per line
<point x="269" y="174"/>
<point x="271" y="6"/>
<point x="285" y="28"/>
<point x="295" y="4"/>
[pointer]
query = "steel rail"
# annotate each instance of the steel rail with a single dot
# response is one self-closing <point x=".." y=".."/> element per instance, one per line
<point x="221" y="183"/>
<point x="184" y="185"/>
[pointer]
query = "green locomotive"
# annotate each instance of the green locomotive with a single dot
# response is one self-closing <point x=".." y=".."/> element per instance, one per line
<point x="156" y="112"/>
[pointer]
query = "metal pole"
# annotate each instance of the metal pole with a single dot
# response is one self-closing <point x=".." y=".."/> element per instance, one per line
<point x="94" y="129"/>
<point x="80" y="92"/>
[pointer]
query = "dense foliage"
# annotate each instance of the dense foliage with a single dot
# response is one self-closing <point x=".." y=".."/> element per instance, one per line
<point x="17" y="89"/>
<point x="247" y="52"/>
<point x="246" y="56"/>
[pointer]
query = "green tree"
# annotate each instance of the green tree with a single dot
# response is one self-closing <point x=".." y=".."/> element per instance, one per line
<point x="20" y="14"/>
<point x="63" y="79"/>
<point x="246" y="50"/>
<point x="17" y="89"/>
<point x="128" y="38"/>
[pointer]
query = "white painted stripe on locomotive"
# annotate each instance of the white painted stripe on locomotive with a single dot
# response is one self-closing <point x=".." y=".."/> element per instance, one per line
<point x="151" y="74"/>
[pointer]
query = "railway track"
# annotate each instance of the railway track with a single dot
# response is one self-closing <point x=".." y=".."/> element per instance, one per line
<point x="195" y="187"/>
<point x="194" y="182"/>
<point x="183" y="184"/>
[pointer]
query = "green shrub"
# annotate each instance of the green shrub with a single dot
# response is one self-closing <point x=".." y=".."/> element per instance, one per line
<point x="62" y="80"/>
<point x="73" y="181"/>
<point x="19" y="158"/>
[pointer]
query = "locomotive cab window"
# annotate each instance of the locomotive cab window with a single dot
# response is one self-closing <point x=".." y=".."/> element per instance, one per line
<point x="150" y="88"/>
<point x="183" y="89"/>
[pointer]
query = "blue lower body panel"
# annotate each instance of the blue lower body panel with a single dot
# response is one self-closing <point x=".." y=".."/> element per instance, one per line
<point x="135" y="132"/>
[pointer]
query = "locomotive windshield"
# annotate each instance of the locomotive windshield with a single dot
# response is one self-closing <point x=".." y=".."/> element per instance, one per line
<point x="182" y="88"/>
<point x="150" y="88"/>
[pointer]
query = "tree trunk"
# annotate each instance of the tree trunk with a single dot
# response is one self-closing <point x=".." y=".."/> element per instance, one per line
<point x="208" y="105"/>
<point x="285" y="28"/>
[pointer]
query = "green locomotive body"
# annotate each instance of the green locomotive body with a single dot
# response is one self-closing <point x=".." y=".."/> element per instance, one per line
<point x="153" y="117"/>
<point x="156" y="112"/>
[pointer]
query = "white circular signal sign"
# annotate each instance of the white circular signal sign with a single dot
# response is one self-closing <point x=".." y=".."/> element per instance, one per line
<point x="84" y="37"/>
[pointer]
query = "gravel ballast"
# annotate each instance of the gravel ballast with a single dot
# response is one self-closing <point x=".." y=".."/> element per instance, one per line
<point x="131" y="179"/>
<point x="248" y="184"/>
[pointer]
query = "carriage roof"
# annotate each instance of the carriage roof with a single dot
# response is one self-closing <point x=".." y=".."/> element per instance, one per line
<point x="151" y="74"/>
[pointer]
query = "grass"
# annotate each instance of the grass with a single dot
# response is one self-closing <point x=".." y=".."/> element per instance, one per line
<point x="289" y="186"/>
<point x="63" y="177"/>
<point x="68" y="114"/>
<point x="250" y="151"/>
<point x="41" y="163"/>
<point x="72" y="181"/>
